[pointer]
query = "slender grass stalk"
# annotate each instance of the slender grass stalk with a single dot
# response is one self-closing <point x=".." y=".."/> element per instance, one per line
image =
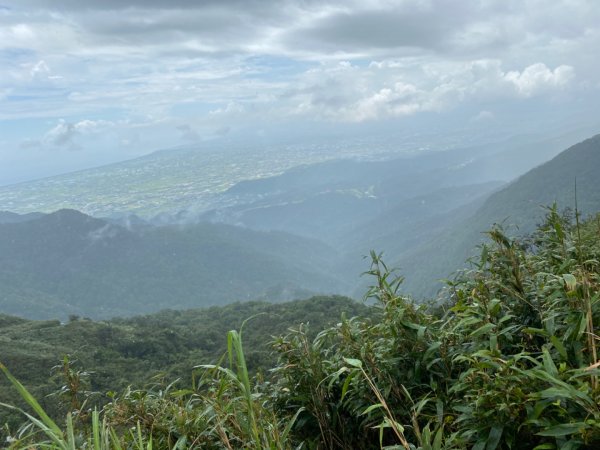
<point x="44" y="423"/>
<point x="391" y="421"/>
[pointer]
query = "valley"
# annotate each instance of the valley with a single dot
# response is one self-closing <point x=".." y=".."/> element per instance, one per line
<point x="303" y="232"/>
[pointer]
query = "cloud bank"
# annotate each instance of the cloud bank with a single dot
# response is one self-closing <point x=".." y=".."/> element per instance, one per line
<point x="180" y="70"/>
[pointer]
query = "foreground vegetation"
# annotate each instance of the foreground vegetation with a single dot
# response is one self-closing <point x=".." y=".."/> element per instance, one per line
<point x="111" y="355"/>
<point x="509" y="360"/>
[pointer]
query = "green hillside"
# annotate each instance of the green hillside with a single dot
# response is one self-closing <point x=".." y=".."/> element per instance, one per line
<point x="520" y="202"/>
<point x="520" y="206"/>
<point x="123" y="352"/>
<point x="69" y="263"/>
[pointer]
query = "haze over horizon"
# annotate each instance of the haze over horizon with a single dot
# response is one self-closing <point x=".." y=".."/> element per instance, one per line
<point x="89" y="83"/>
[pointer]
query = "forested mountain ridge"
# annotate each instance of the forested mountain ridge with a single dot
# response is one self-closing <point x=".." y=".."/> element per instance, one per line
<point x="70" y="263"/>
<point x="520" y="206"/>
<point x="554" y="181"/>
<point x="359" y="191"/>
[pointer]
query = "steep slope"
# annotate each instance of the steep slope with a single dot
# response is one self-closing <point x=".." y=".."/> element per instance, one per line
<point x="551" y="182"/>
<point x="398" y="206"/>
<point x="519" y="206"/>
<point x="69" y="263"/>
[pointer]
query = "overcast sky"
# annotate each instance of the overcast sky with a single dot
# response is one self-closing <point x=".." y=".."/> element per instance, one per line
<point x="88" y="82"/>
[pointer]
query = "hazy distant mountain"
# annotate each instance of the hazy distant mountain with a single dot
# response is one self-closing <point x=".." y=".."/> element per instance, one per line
<point x="519" y="206"/>
<point x="553" y="181"/>
<point x="70" y="263"/>
<point x="398" y="206"/>
<point x="11" y="217"/>
<point x="331" y="201"/>
<point x="349" y="203"/>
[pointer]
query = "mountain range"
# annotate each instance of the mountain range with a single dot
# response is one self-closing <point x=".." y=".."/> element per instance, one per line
<point x="67" y="263"/>
<point x="425" y="213"/>
<point x="291" y="235"/>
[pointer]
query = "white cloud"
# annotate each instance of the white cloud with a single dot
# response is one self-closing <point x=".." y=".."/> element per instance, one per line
<point x="105" y="232"/>
<point x="92" y="126"/>
<point x="64" y="133"/>
<point x="537" y="78"/>
<point x="40" y="70"/>
<point x="400" y="100"/>
<point x="483" y="116"/>
<point x="188" y="133"/>
<point x="145" y="57"/>
<point x="231" y="109"/>
<point x="21" y="32"/>
<point x="349" y="93"/>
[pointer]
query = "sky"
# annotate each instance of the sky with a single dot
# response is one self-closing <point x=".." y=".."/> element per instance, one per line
<point x="85" y="83"/>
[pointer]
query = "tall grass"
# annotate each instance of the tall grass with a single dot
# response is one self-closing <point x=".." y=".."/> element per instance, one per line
<point x="225" y="411"/>
<point x="509" y="361"/>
